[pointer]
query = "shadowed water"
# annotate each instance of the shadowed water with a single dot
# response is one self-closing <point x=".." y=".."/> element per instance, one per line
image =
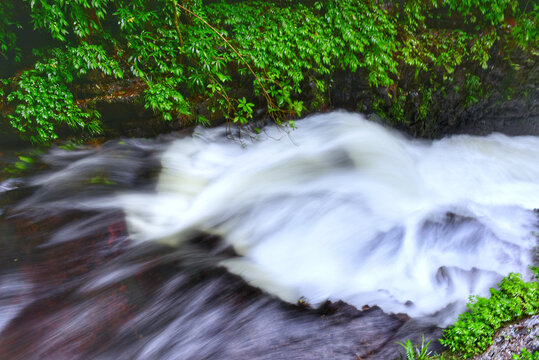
<point x="143" y="249"/>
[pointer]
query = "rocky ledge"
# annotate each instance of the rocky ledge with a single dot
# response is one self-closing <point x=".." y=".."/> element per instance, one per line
<point x="512" y="339"/>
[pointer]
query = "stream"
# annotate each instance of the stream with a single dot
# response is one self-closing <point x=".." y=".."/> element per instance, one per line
<point x="334" y="240"/>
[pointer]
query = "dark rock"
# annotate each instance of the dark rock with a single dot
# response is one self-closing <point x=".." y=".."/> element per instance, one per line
<point x="512" y="339"/>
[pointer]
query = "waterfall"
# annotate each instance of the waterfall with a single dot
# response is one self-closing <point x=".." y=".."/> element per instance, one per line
<point x="139" y="249"/>
<point x="342" y="208"/>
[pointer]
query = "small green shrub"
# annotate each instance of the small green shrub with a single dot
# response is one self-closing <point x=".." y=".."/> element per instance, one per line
<point x="417" y="353"/>
<point x="474" y="330"/>
<point x="42" y="98"/>
<point x="8" y="40"/>
<point x="526" y="355"/>
<point x="163" y="98"/>
<point x="526" y="31"/>
<point x="474" y="90"/>
<point x="492" y="12"/>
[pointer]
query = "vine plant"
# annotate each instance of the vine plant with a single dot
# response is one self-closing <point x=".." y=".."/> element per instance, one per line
<point x="194" y="55"/>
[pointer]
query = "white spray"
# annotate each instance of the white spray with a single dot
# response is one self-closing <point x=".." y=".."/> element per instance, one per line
<point x="343" y="209"/>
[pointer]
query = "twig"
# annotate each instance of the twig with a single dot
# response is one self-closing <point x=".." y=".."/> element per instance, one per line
<point x="176" y="22"/>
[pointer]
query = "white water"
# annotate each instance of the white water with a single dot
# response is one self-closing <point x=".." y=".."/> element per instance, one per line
<point x="344" y="209"/>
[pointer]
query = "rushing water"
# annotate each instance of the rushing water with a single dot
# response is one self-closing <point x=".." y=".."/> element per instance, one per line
<point x="120" y="251"/>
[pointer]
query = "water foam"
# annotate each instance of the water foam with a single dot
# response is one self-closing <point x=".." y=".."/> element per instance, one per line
<point x="344" y="209"/>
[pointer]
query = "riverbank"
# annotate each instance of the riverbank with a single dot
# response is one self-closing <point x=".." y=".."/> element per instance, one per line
<point x="430" y="69"/>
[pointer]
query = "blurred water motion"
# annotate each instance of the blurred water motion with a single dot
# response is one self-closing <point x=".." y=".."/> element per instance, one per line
<point x="321" y="212"/>
<point x="143" y="249"/>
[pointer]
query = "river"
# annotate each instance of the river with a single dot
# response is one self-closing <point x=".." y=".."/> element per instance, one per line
<point x="333" y="240"/>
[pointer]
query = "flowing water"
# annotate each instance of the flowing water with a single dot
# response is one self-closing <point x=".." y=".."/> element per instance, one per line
<point x="333" y="240"/>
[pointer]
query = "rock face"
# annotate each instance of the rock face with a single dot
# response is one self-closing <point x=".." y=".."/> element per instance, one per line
<point x="512" y="339"/>
<point x="507" y="101"/>
<point x="512" y="105"/>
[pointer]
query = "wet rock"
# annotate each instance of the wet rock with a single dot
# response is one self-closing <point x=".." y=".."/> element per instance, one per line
<point x="512" y="339"/>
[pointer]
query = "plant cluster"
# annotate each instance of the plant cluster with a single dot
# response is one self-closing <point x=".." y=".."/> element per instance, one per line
<point x="43" y="96"/>
<point x="474" y="330"/>
<point x="193" y="55"/>
<point x="526" y="355"/>
<point x="417" y="353"/>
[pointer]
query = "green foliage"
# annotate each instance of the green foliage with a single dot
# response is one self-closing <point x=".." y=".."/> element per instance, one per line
<point x="492" y="12"/>
<point x="397" y="108"/>
<point x="425" y="47"/>
<point x="62" y="19"/>
<point x="526" y="31"/>
<point x="164" y="99"/>
<point x="193" y="55"/>
<point x="474" y="90"/>
<point x="437" y="52"/>
<point x="245" y="111"/>
<point x="301" y="41"/>
<point x="365" y="37"/>
<point x="42" y="97"/>
<point x="526" y="355"/>
<point x="417" y="353"/>
<point x="8" y="40"/>
<point x="41" y="103"/>
<point x="474" y="330"/>
<point x="426" y="102"/>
